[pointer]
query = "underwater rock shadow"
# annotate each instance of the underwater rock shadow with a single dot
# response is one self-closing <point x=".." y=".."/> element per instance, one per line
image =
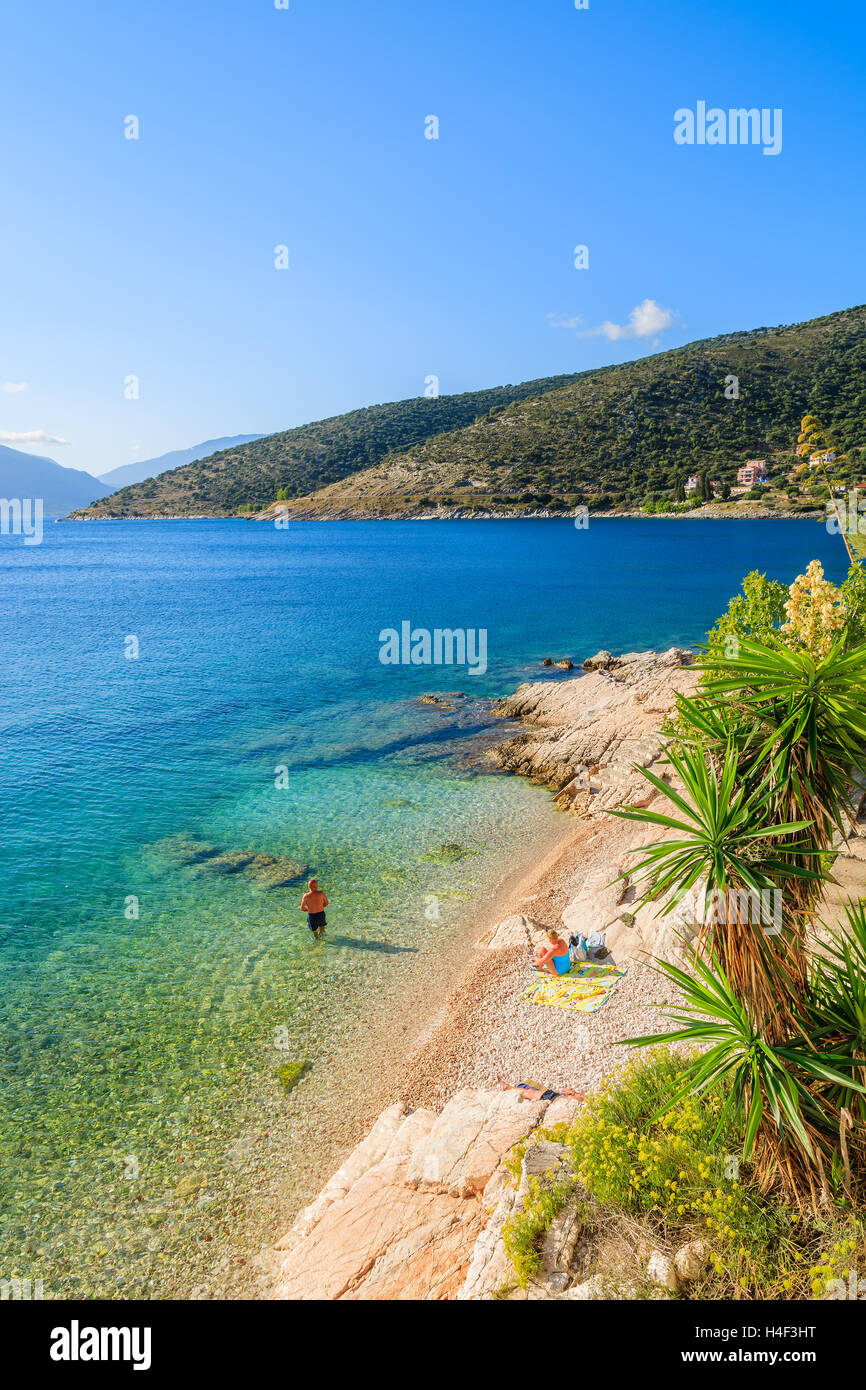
<point x="384" y="948"/>
<point x="357" y="754"/>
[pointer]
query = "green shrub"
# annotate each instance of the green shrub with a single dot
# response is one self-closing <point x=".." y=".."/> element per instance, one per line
<point x="679" y="1176"/>
<point x="523" y="1231"/>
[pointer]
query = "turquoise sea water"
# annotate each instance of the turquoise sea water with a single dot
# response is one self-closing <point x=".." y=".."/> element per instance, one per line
<point x="155" y="974"/>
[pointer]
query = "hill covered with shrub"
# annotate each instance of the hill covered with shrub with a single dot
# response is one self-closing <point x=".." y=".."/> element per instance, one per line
<point x="614" y="436"/>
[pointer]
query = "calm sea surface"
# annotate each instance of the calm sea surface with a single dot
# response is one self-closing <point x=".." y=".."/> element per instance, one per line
<point x="156" y="970"/>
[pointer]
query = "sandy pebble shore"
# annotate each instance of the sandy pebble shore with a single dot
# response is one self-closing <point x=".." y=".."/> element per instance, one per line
<point x="356" y="1076"/>
<point x="460" y="1019"/>
<point x="487" y="1033"/>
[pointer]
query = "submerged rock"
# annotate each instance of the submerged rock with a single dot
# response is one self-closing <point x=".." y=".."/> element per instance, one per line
<point x="185" y="850"/>
<point x="274" y="871"/>
<point x="190" y="1185"/>
<point x="290" y="1073"/>
<point x="447" y="854"/>
<point x="227" y="862"/>
<point x="267" y="870"/>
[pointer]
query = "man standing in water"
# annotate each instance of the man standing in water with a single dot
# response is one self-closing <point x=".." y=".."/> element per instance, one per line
<point x="314" y="903"/>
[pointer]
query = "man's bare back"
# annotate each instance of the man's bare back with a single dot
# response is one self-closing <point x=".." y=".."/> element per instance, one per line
<point x="314" y="903"/>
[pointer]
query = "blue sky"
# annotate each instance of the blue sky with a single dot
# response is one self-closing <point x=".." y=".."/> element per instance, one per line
<point x="409" y="257"/>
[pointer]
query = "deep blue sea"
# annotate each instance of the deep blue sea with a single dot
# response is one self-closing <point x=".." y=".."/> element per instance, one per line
<point x="194" y="715"/>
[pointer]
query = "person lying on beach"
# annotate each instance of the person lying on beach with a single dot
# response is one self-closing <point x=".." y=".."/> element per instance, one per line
<point x="314" y="903"/>
<point x="530" y="1090"/>
<point x="553" y="957"/>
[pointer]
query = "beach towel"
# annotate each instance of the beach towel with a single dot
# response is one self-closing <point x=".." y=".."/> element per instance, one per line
<point x="584" y="989"/>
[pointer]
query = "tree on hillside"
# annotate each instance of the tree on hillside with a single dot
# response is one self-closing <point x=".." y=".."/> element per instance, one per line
<point x="814" y="438"/>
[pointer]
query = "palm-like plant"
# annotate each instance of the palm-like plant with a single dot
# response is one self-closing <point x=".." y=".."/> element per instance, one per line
<point x="838" y="1011"/>
<point x="766" y="755"/>
<point x="800" y="727"/>
<point x="782" y="1094"/>
<point x="724" y="839"/>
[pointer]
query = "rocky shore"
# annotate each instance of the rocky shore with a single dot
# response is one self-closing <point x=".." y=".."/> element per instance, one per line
<point x="738" y="511"/>
<point x="417" y="1208"/>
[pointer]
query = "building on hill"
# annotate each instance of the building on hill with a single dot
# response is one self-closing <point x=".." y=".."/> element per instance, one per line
<point x="755" y="471"/>
<point x="822" y="457"/>
<point x="693" y="482"/>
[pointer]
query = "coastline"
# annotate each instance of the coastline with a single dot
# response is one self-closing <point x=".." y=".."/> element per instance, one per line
<point x="419" y="1209"/>
<point x="477" y="1032"/>
<point x="710" y="513"/>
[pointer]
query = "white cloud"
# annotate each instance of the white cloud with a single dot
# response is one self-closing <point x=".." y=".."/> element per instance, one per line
<point x="29" y="437"/>
<point x="646" y="320"/>
<point x="13" y="387"/>
<point x="557" y="321"/>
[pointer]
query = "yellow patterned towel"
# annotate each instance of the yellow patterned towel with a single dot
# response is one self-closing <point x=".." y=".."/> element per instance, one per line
<point x="584" y="989"/>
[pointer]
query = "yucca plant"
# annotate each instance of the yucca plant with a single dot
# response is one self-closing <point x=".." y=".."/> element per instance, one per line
<point x="765" y="755"/>
<point x="799" y="723"/>
<point x="838" y="1009"/>
<point x="724" y="840"/>
<point x="781" y="1094"/>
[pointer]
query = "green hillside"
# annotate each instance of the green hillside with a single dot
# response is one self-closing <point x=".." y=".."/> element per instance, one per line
<point x="619" y="435"/>
<point x="615" y="436"/>
<point x="308" y="457"/>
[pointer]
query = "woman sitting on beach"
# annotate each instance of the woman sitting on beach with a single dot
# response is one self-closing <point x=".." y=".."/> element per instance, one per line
<point x="554" y="957"/>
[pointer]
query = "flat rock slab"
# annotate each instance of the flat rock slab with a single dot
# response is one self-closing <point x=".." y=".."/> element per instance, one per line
<point x="266" y="870"/>
<point x="516" y="930"/>
<point x="385" y="1241"/>
<point x="469" y="1139"/>
<point x="403" y="1216"/>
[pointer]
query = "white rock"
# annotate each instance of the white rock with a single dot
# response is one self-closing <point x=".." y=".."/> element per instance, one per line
<point x="516" y="930"/>
<point x="690" y="1261"/>
<point x="590" y="1290"/>
<point x="661" y="1271"/>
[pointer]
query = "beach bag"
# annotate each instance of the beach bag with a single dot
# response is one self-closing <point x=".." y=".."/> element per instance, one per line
<point x="577" y="949"/>
<point x="584" y="948"/>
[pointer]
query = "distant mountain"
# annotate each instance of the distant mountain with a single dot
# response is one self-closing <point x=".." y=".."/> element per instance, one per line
<point x="136" y="472"/>
<point x="61" y="489"/>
